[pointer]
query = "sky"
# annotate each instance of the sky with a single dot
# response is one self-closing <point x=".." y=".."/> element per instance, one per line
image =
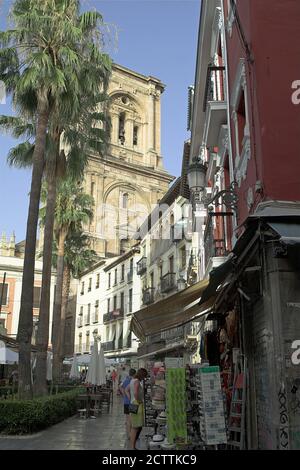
<point x="152" y="37"/>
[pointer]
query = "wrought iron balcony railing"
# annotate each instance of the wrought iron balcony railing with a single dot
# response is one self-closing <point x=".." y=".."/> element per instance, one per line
<point x="148" y="296"/>
<point x="108" y="346"/>
<point x="215" y="89"/>
<point x="114" y="315"/>
<point x="168" y="282"/>
<point x="141" y="266"/>
<point x="217" y="235"/>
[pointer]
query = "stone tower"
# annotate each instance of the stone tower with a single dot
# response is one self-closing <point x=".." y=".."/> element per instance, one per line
<point x="130" y="179"/>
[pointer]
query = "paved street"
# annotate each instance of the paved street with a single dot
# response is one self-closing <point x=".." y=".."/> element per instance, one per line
<point x="104" y="433"/>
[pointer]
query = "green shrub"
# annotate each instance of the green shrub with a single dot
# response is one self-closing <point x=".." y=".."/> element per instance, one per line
<point x="28" y="416"/>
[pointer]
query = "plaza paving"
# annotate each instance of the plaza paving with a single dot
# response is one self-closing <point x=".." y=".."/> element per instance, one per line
<point x="106" y="432"/>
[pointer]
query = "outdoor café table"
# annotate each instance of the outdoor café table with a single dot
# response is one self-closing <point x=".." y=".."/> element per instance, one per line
<point x="86" y="399"/>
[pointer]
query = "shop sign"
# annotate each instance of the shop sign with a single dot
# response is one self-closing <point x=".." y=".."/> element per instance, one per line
<point x="173" y="362"/>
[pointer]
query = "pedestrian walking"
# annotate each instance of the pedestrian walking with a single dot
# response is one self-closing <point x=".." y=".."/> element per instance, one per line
<point x="126" y="398"/>
<point x="137" y="398"/>
<point x="114" y="379"/>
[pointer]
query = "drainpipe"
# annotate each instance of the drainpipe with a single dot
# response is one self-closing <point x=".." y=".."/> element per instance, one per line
<point x="231" y="164"/>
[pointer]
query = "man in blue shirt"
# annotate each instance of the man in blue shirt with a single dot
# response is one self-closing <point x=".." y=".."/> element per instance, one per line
<point x="126" y="399"/>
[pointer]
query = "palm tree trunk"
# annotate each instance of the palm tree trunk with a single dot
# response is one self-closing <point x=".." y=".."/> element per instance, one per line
<point x="64" y="306"/>
<point x="26" y="318"/>
<point x="57" y="305"/>
<point x="40" y="385"/>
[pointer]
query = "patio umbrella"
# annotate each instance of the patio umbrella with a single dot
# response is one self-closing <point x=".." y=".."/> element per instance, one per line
<point x="101" y="368"/>
<point x="7" y="356"/>
<point x="49" y="366"/>
<point x="74" y="373"/>
<point x="91" y="377"/>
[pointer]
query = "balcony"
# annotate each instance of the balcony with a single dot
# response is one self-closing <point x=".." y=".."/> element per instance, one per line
<point x="130" y="276"/>
<point x="148" y="296"/>
<point x="114" y="315"/>
<point x="108" y="346"/>
<point x="217" y="237"/>
<point x="168" y="282"/>
<point x="141" y="266"/>
<point x="214" y="104"/>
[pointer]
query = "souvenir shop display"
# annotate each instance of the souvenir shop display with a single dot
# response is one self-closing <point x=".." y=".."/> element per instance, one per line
<point x="176" y="404"/>
<point x="211" y="406"/>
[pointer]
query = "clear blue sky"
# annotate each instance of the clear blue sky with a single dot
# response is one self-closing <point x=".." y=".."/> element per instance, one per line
<point x="155" y="37"/>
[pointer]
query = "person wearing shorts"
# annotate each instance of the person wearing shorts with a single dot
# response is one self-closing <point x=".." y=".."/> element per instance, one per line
<point x="126" y="398"/>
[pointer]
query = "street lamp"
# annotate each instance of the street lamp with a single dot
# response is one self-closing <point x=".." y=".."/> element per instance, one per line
<point x="196" y="175"/>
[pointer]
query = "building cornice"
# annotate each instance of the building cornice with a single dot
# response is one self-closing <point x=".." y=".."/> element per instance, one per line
<point x="143" y="170"/>
<point x="140" y="76"/>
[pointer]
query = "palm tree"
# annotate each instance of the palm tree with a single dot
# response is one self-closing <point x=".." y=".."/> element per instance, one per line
<point x="73" y="210"/>
<point x="39" y="59"/>
<point x="78" y="257"/>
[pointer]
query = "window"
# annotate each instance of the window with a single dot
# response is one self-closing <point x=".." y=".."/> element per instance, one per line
<point x="96" y="317"/>
<point x="122" y="128"/>
<point x="183" y="258"/>
<point x="81" y="311"/>
<point x="115" y="302"/>
<point x="4" y="297"/>
<point x="80" y="342"/>
<point x="109" y="280"/>
<point x="36" y="297"/>
<point x="152" y="279"/>
<point x="135" y="135"/>
<point x="87" y="346"/>
<point x="108" y="305"/>
<point x="171" y="264"/>
<point x="131" y="265"/>
<point x="125" y="200"/>
<point x="160" y="272"/>
<point x="92" y="189"/>
<point x="98" y="281"/>
<point x="116" y="276"/>
<point x="122" y="272"/>
<point x="90" y="285"/>
<point x="130" y="300"/>
<point x="241" y="120"/>
<point x="107" y="333"/>
<point x="88" y="316"/>
<point x="82" y="288"/>
<point x="122" y="302"/>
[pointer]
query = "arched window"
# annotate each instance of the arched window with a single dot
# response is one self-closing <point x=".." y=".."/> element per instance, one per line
<point x="122" y="128"/>
<point x="135" y="135"/>
<point x="125" y="200"/>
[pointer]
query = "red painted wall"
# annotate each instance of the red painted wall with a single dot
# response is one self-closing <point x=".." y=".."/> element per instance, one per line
<point x="272" y="30"/>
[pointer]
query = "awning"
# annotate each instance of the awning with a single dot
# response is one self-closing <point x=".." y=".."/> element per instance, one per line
<point x="170" y="312"/>
<point x="216" y="277"/>
<point x="289" y="232"/>
<point x="168" y="348"/>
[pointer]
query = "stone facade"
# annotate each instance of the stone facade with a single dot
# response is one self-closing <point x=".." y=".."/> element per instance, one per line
<point x="130" y="178"/>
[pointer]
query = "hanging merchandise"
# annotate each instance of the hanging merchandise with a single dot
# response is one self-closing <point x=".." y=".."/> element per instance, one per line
<point x="176" y="406"/>
<point x="212" y="416"/>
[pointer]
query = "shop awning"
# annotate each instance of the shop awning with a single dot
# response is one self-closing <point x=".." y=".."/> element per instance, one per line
<point x="170" y="312"/>
<point x="169" y="347"/>
<point x="216" y="277"/>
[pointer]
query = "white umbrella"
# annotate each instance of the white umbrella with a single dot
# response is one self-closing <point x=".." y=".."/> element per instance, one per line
<point x="91" y="377"/>
<point x="49" y="365"/>
<point x="101" y="368"/>
<point x="74" y="373"/>
<point x="7" y="356"/>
